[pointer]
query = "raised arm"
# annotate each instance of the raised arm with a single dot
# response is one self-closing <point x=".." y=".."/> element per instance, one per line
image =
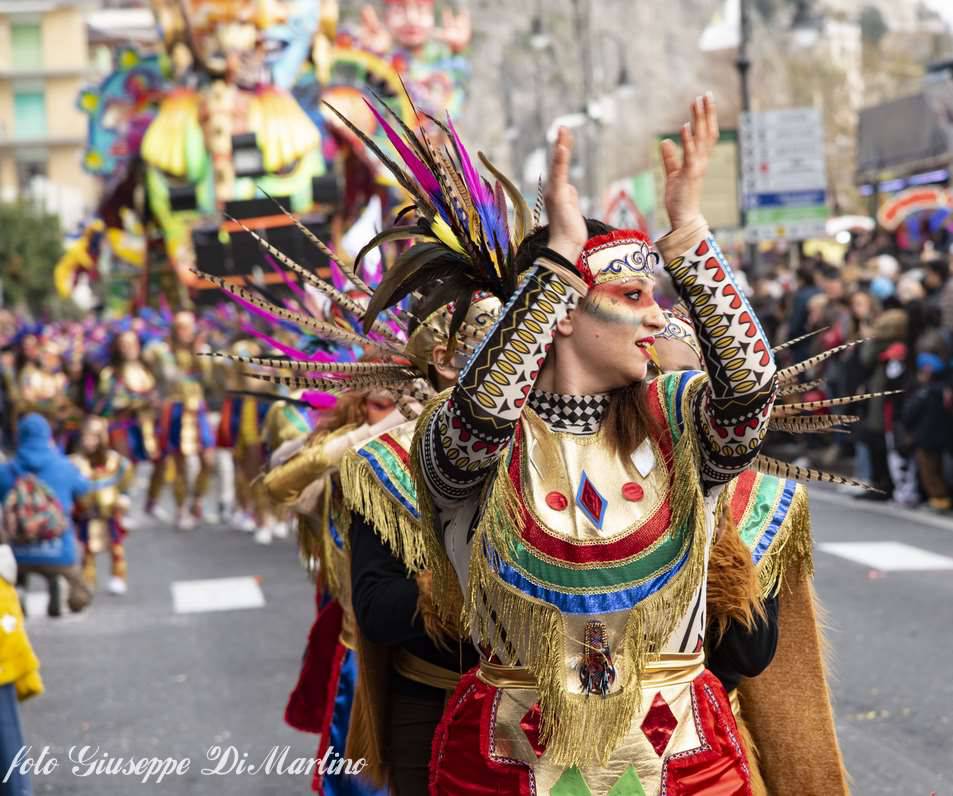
<point x="464" y="437"/>
<point x="731" y="414"/>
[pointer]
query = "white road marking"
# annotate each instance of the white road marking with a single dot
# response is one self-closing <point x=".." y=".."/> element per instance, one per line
<point x="217" y="594"/>
<point x="888" y="556"/>
<point x="36" y="603"/>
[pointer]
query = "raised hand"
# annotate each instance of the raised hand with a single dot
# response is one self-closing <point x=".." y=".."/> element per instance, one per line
<point x="456" y="31"/>
<point x="567" y="227"/>
<point x="373" y="34"/>
<point x="685" y="175"/>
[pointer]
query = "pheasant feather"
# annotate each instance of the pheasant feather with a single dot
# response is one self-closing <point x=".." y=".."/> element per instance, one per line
<point x="786" y="375"/>
<point x="810" y="424"/>
<point x="779" y="469"/>
<point x="785" y="410"/>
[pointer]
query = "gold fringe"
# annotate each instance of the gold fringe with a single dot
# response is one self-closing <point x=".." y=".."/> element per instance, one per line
<point x="448" y="602"/>
<point x="579" y="729"/>
<point x="792" y="550"/>
<point x="364" y="494"/>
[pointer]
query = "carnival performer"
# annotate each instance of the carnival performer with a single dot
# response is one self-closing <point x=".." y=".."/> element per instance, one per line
<point x="575" y="501"/>
<point x="288" y="423"/>
<point x="390" y="382"/>
<point x="241" y="436"/>
<point x="101" y="514"/>
<point x="309" y="483"/>
<point x="184" y="431"/>
<point x="409" y="661"/>
<point x="127" y="396"/>
<point x="43" y="387"/>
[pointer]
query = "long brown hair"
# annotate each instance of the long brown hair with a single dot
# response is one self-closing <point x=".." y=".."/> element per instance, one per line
<point x="350" y="409"/>
<point x="628" y="420"/>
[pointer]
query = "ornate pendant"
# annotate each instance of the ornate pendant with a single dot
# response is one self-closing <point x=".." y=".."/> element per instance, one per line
<point x="596" y="672"/>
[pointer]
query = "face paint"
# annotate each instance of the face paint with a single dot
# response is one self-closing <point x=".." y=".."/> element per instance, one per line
<point x="614" y="303"/>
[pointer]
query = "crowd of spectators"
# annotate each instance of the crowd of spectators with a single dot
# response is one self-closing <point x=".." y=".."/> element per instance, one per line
<point x="896" y="307"/>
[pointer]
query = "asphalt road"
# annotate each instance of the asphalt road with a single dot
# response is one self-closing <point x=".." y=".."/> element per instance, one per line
<point x="891" y="636"/>
<point x="136" y="678"/>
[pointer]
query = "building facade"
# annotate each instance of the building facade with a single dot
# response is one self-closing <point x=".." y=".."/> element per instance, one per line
<point x="44" y="62"/>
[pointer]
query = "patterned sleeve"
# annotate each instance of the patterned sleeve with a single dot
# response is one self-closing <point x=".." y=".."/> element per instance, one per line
<point x="730" y="416"/>
<point x="465" y="436"/>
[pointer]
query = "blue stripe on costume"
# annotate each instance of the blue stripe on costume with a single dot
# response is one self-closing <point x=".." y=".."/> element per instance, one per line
<point x="335" y="534"/>
<point x="174" y="440"/>
<point x="683" y="380"/>
<point x="780" y="513"/>
<point x="620" y="600"/>
<point x="384" y="478"/>
<point x="345" y="784"/>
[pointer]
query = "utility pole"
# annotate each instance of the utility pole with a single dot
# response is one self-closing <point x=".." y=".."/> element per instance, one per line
<point x="743" y="65"/>
<point x="581" y="9"/>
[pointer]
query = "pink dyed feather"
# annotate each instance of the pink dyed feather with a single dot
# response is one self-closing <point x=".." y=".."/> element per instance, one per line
<point x="321" y="401"/>
<point x="287" y="350"/>
<point x="292" y="285"/>
<point x="417" y="167"/>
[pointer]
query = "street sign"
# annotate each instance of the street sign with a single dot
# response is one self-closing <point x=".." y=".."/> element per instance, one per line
<point x="630" y="202"/>
<point x="783" y="174"/>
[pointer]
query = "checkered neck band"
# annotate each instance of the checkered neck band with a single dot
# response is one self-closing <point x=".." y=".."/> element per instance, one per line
<point x="577" y="414"/>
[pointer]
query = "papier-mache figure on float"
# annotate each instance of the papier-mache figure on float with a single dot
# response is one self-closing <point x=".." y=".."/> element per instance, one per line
<point x="109" y="252"/>
<point x="228" y="132"/>
<point x="428" y="58"/>
<point x="200" y="133"/>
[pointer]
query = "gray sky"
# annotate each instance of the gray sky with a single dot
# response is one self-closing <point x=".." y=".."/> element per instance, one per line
<point x="944" y="8"/>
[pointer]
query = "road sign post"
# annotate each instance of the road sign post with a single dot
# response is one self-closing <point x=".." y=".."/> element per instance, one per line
<point x="783" y="174"/>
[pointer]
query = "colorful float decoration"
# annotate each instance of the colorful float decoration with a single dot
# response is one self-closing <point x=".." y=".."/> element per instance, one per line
<point x="915" y="215"/>
<point x="230" y="126"/>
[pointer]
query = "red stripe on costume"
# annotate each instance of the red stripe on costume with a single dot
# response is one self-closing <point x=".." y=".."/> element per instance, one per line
<point x="224" y="435"/>
<point x="308" y="703"/>
<point x="640" y="539"/>
<point x="718" y="767"/>
<point x="396" y="447"/>
<point x="165" y="427"/>
<point x="317" y="784"/>
<point x="746" y="483"/>
<point x="461" y="759"/>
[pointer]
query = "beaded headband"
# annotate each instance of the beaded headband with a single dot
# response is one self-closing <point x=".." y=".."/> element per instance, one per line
<point x="621" y="254"/>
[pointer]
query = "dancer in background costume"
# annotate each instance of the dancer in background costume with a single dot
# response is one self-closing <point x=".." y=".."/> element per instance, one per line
<point x="185" y="435"/>
<point x="43" y="387"/>
<point x="101" y="513"/>
<point x="575" y="501"/>
<point x="410" y="661"/>
<point x="322" y="700"/>
<point x="241" y="435"/>
<point x="307" y="481"/>
<point x="127" y="396"/>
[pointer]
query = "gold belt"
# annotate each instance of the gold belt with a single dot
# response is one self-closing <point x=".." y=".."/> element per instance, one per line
<point x="348" y="635"/>
<point x="417" y="669"/>
<point x="735" y="702"/>
<point x="670" y="668"/>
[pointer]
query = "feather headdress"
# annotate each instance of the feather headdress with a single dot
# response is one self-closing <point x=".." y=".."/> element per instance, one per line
<point x="393" y="356"/>
<point x="459" y="222"/>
